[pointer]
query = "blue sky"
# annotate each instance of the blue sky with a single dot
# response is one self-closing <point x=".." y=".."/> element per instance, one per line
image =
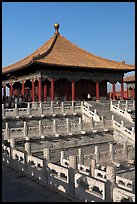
<point x="106" y="29"/>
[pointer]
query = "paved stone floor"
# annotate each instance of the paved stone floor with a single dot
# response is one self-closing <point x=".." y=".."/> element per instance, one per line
<point x="18" y="188"/>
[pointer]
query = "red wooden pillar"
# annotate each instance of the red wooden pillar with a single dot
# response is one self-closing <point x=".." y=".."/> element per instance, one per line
<point x="52" y="90"/>
<point x="97" y="90"/>
<point x="127" y="92"/>
<point x="113" y="90"/>
<point x="39" y="90"/>
<point x="122" y="90"/>
<point x="23" y="88"/>
<point x="11" y="89"/>
<point x="45" y="91"/>
<point x="33" y="90"/>
<point x="73" y="90"/>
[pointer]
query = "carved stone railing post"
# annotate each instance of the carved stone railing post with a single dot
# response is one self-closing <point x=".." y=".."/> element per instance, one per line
<point x="63" y="108"/>
<point x="41" y="109"/>
<point x="80" y="124"/>
<point x="73" y="107"/>
<point x="40" y="128"/>
<point x="46" y="153"/>
<point x="46" y="159"/>
<point x="29" y="110"/>
<point x="93" y="166"/>
<point x="16" y="111"/>
<point x="28" y="147"/>
<point x="62" y="156"/>
<point x="25" y="129"/>
<point x="92" y="123"/>
<point x="3" y="111"/>
<point x="125" y="149"/>
<point x="97" y="154"/>
<point x="71" y="174"/>
<point x="80" y="156"/>
<point x="103" y="121"/>
<point x="110" y="183"/>
<point x="68" y="126"/>
<point x="111" y="149"/>
<point x="7" y="131"/>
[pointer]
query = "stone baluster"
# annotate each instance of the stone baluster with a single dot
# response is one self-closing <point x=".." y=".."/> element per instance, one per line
<point x="71" y="175"/>
<point x="46" y="153"/>
<point x="80" y="156"/>
<point x="73" y="107"/>
<point x="97" y="154"/>
<point x="25" y="129"/>
<point x="110" y="182"/>
<point x="52" y="108"/>
<point x="62" y="156"/>
<point x="16" y="111"/>
<point x="80" y="124"/>
<point x="3" y="111"/>
<point x="28" y="147"/>
<point x="93" y="166"/>
<point x="46" y="159"/>
<point x="12" y="147"/>
<point x="95" y="111"/>
<point x="126" y="110"/>
<point x="12" y="143"/>
<point x="68" y="126"/>
<point x="54" y="127"/>
<point x="133" y="131"/>
<point x="122" y="125"/>
<point x="41" y="109"/>
<point x="29" y="110"/>
<point x="111" y="149"/>
<point x="63" y="109"/>
<point x="7" y="131"/>
<point x="40" y="128"/>
<point x="112" y="118"/>
<point x="118" y="105"/>
<point x="103" y="121"/>
<point x="92" y="123"/>
<point x="125" y="149"/>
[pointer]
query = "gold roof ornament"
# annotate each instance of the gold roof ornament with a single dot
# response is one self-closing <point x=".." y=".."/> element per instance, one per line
<point x="56" y="26"/>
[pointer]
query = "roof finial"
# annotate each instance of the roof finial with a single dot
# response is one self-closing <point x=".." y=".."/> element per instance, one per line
<point x="56" y="26"/>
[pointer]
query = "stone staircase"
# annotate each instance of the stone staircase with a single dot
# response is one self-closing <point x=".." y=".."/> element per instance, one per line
<point x="103" y="109"/>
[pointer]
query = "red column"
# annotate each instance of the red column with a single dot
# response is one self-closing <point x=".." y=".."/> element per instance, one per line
<point x="97" y="90"/>
<point x="11" y="89"/>
<point x="73" y="90"/>
<point x="39" y="89"/>
<point x="52" y="90"/>
<point x="122" y="90"/>
<point x="127" y="92"/>
<point x="23" y="88"/>
<point x="45" y="91"/>
<point x="113" y="90"/>
<point x="33" y="90"/>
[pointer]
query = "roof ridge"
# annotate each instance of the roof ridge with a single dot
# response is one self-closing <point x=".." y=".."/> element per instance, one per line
<point x="93" y="55"/>
<point x="45" y="53"/>
<point x="32" y="55"/>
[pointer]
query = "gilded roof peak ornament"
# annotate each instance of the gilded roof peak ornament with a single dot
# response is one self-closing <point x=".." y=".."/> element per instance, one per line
<point x="56" y="26"/>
